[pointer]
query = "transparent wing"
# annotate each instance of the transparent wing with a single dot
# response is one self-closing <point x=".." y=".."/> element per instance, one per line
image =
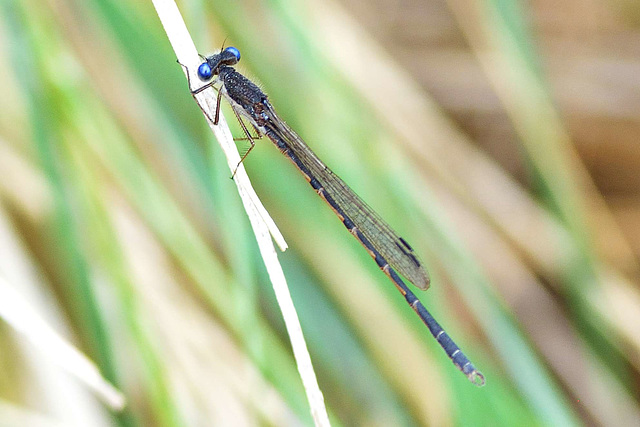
<point x="392" y="247"/>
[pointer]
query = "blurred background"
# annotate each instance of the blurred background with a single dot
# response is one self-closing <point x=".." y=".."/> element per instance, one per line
<point x="500" y="138"/>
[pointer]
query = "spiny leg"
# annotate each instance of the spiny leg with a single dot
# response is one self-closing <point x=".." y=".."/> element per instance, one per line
<point x="215" y="122"/>
<point x="248" y="138"/>
<point x="254" y="137"/>
<point x="200" y="89"/>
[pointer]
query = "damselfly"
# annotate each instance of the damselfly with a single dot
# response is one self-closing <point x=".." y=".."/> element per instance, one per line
<point x="391" y="252"/>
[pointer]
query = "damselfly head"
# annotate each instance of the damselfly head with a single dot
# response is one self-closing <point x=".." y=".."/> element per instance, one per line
<point x="228" y="57"/>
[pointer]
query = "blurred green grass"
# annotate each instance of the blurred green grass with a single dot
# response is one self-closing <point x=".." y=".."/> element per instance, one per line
<point x="124" y="209"/>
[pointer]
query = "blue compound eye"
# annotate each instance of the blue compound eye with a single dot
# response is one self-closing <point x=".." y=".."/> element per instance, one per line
<point x="234" y="51"/>
<point x="204" y="71"/>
